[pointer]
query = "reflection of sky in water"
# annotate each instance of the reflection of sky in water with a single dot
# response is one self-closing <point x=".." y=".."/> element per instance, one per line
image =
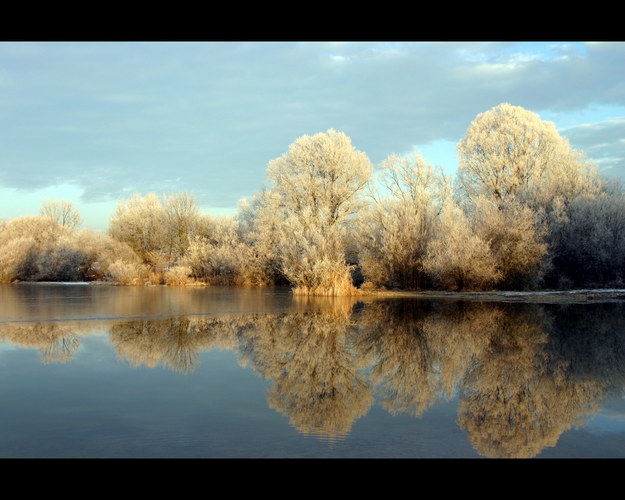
<point x="99" y="405"/>
<point x="610" y="419"/>
<point x="109" y="408"/>
<point x="121" y="393"/>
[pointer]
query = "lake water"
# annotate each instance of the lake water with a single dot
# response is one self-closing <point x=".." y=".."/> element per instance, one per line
<point x="225" y="372"/>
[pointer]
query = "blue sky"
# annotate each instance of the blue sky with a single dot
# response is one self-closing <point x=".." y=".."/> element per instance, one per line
<point x="95" y="122"/>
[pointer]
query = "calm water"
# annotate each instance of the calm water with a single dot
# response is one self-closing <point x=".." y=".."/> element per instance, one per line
<point x="104" y="371"/>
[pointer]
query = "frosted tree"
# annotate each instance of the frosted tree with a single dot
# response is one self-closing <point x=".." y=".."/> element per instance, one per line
<point x="140" y="223"/>
<point x="180" y="212"/>
<point x="406" y="201"/>
<point x="259" y="231"/>
<point x="318" y="182"/>
<point x="509" y="149"/>
<point x="62" y="212"/>
<point x="516" y="240"/>
<point x="588" y="240"/>
<point x="22" y="242"/>
<point x="517" y="177"/>
<point x="457" y="257"/>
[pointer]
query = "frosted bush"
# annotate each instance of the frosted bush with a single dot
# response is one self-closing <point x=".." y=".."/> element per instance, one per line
<point x="99" y="252"/>
<point x="60" y="262"/>
<point x="139" y="222"/>
<point x="178" y="276"/>
<point x="457" y="257"/>
<point x="517" y="242"/>
<point x="17" y="259"/>
<point x="322" y="277"/>
<point x="126" y="273"/>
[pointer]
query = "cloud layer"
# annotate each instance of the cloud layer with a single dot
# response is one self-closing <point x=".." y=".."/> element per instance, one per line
<point x="118" y="118"/>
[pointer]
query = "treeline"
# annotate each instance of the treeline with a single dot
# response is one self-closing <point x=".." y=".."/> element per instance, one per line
<point x="525" y="211"/>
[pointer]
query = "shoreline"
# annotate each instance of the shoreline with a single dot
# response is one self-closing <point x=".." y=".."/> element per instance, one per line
<point x="584" y="296"/>
<point x="593" y="295"/>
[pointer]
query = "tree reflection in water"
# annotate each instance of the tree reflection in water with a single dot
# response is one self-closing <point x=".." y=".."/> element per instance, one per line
<point x="315" y="373"/>
<point x="56" y="342"/>
<point x="522" y="374"/>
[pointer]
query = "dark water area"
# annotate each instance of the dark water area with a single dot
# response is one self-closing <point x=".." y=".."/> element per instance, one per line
<point x="97" y="371"/>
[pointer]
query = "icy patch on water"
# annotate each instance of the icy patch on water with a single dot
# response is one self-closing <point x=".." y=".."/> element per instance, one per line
<point x="58" y="282"/>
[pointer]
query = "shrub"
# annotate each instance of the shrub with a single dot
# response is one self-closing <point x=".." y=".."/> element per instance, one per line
<point x="178" y="275"/>
<point x="323" y="277"/>
<point x="126" y="273"/>
<point x="457" y="257"/>
<point x="17" y="258"/>
<point x="517" y="242"/>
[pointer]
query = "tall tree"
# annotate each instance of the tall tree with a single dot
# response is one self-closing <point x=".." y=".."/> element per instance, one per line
<point x="509" y="149"/>
<point x="514" y="170"/>
<point x="406" y="200"/>
<point x="318" y="182"/>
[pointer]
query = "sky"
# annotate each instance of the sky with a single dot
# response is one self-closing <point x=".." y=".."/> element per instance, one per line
<point x="96" y="122"/>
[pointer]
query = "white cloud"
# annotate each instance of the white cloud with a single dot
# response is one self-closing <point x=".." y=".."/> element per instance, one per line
<point x="208" y="117"/>
<point x="603" y="142"/>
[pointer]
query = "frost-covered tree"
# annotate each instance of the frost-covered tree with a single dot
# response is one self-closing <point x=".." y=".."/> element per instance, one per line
<point x="140" y="223"/>
<point x="407" y="197"/>
<point x="180" y="217"/>
<point x="509" y="149"/>
<point x="259" y="231"/>
<point x="513" y="164"/>
<point x="322" y="173"/>
<point x="516" y="240"/>
<point x="457" y="257"/>
<point x="587" y="240"/>
<point x="62" y="212"/>
<point x="318" y="182"/>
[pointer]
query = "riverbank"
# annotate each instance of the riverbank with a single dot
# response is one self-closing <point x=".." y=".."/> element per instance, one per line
<point x="543" y="296"/>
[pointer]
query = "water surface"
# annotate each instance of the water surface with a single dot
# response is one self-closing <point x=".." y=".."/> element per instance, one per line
<point x="226" y="372"/>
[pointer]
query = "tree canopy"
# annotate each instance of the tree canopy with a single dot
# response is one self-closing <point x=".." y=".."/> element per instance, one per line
<point x="508" y="149"/>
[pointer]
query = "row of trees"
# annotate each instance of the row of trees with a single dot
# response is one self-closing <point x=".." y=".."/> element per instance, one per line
<point x="525" y="210"/>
